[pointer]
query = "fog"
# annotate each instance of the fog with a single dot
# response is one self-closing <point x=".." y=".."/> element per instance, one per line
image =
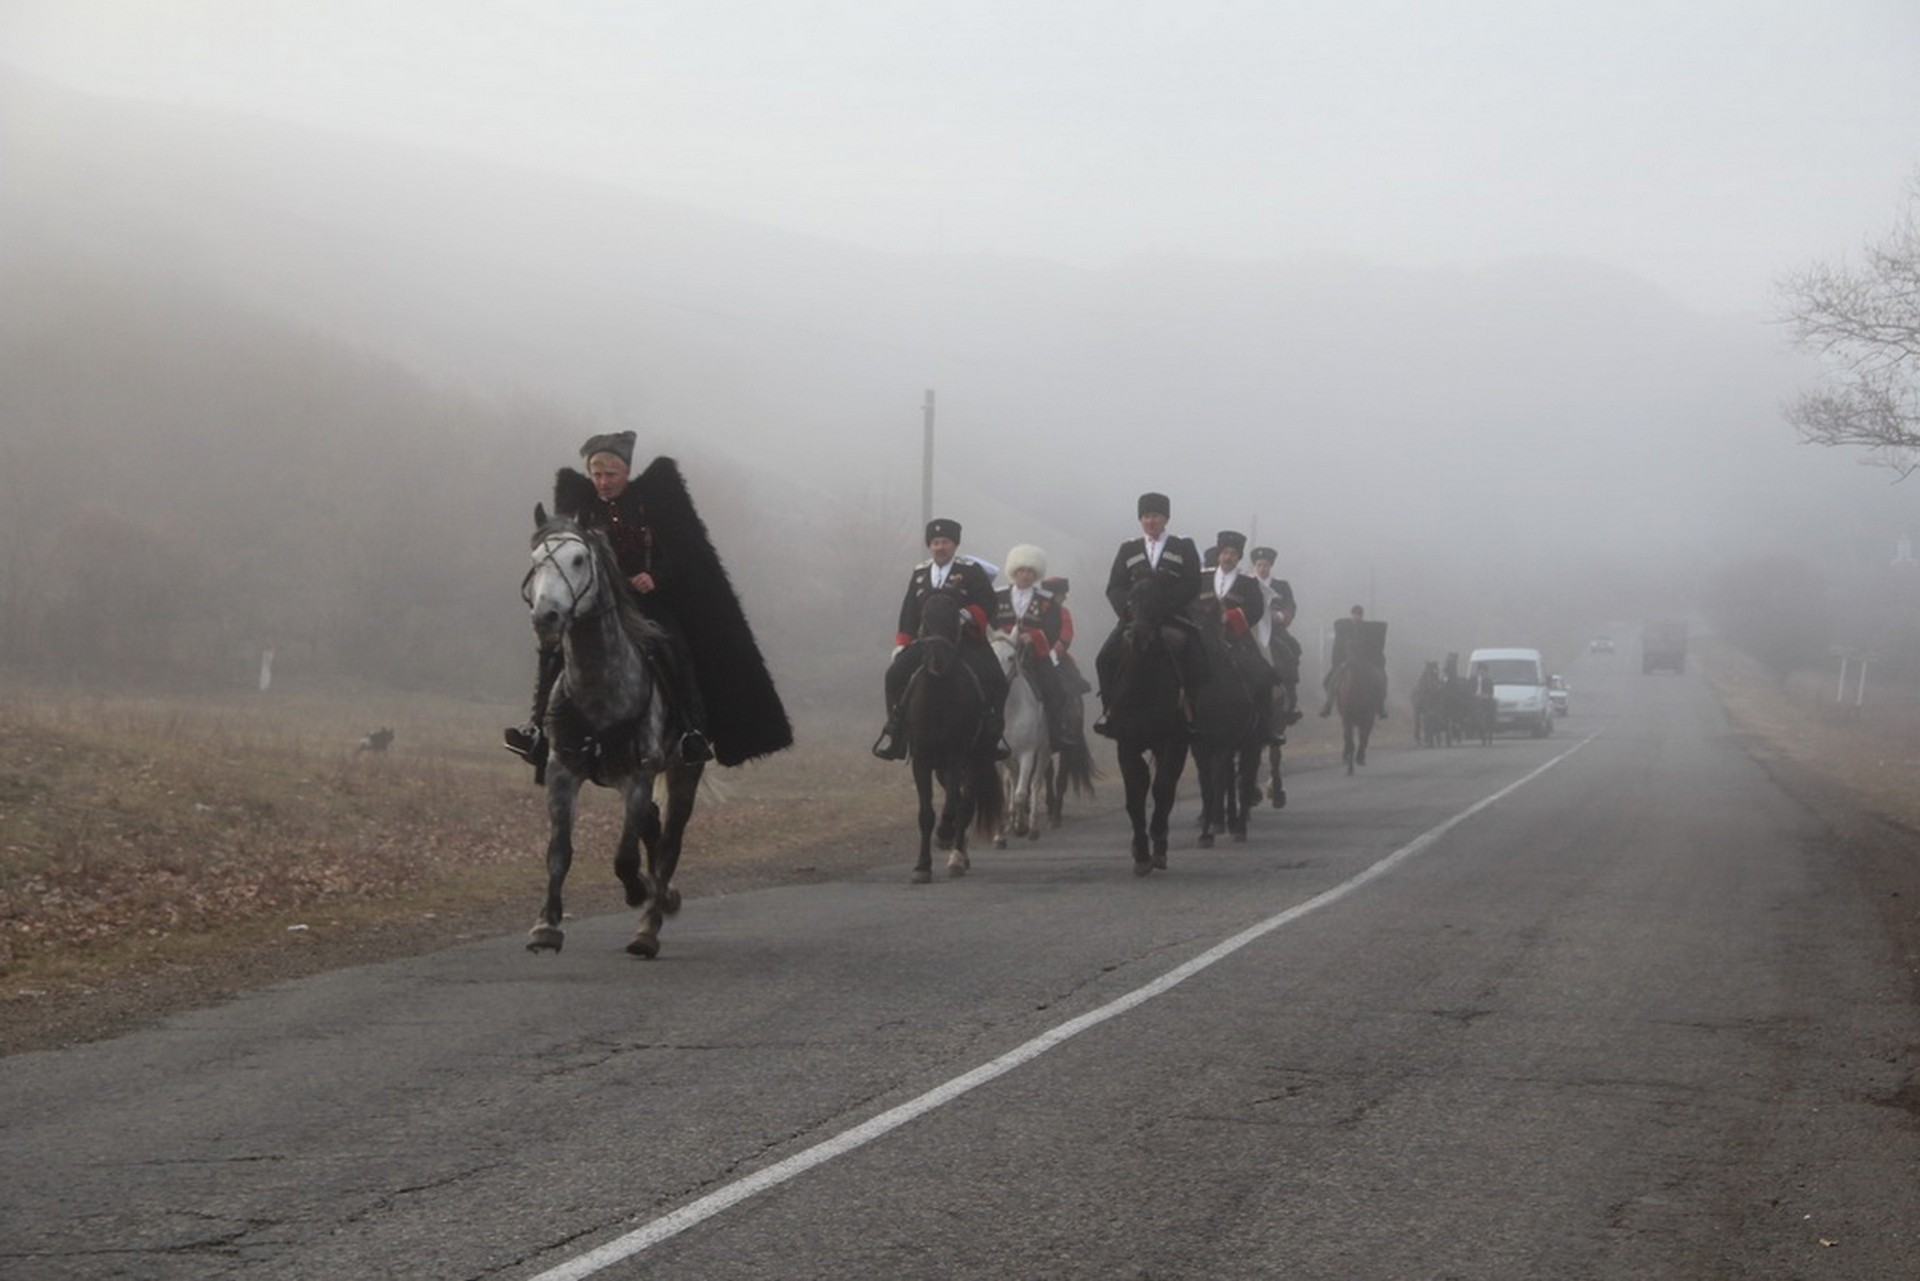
<point x="1469" y="317"/>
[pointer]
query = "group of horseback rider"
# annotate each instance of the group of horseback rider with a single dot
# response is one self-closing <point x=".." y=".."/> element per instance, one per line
<point x="1255" y="611"/>
<point x="1031" y="607"/>
<point x="663" y="552"/>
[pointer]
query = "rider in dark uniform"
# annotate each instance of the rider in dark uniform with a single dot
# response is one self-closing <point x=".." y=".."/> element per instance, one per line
<point x="1228" y="588"/>
<point x="1156" y="552"/>
<point x="1236" y="600"/>
<point x="1352" y="637"/>
<point x="1028" y="607"/>
<point x="971" y="585"/>
<point x="1276" y="634"/>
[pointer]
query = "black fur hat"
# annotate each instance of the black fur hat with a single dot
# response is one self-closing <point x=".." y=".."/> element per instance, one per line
<point x="941" y="527"/>
<point x="617" y="443"/>
<point x="1151" y="502"/>
<point x="1231" y="538"/>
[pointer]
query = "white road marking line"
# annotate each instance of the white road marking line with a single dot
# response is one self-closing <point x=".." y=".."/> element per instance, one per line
<point x="671" y="1225"/>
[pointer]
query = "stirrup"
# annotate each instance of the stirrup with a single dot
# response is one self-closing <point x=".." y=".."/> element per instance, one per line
<point x="694" y="748"/>
<point x="526" y="742"/>
<point x="888" y="746"/>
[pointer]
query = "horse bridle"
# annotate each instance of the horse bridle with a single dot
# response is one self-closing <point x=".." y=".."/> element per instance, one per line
<point x="548" y="553"/>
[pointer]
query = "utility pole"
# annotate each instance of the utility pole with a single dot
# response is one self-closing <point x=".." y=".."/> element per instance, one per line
<point x="926" y="459"/>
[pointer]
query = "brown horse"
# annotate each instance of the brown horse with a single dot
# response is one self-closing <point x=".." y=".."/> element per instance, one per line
<point x="1358" y="688"/>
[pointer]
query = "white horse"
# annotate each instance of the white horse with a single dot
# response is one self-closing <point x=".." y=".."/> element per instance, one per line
<point x="1029" y="758"/>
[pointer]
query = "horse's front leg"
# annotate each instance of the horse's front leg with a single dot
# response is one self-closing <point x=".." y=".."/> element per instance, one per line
<point x="1206" y="763"/>
<point x="1137" y="778"/>
<point x="1168" y="766"/>
<point x="923" y="785"/>
<point x="563" y="789"/>
<point x="638" y="856"/>
<point x="958" y="816"/>
<point x="1243" y="789"/>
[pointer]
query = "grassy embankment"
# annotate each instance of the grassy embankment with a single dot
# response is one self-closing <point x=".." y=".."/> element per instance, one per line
<point x="1871" y="751"/>
<point x="139" y="833"/>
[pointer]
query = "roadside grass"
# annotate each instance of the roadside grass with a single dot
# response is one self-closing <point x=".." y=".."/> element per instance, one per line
<point x="1871" y="751"/>
<point x="166" y="849"/>
<point x="140" y="832"/>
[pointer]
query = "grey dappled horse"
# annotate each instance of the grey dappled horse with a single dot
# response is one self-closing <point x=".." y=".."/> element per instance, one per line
<point x="608" y="723"/>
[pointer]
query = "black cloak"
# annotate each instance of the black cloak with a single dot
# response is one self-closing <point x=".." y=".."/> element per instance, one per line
<point x="745" y="717"/>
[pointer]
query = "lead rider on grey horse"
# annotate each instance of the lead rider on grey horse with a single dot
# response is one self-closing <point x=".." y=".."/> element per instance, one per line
<point x="716" y="680"/>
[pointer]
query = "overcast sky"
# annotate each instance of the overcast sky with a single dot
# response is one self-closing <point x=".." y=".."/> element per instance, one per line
<point x="1709" y="145"/>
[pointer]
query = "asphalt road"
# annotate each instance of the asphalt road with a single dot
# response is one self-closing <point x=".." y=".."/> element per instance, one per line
<point x="1590" y="1007"/>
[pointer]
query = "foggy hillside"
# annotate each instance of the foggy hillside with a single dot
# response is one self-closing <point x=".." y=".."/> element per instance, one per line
<point x="1470" y="453"/>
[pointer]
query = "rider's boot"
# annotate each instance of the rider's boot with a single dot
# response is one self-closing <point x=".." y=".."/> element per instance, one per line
<point x="529" y="741"/>
<point x="891" y="745"/>
<point x="992" y="728"/>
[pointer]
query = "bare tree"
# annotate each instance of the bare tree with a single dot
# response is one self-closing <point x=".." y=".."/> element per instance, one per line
<point x="1865" y="322"/>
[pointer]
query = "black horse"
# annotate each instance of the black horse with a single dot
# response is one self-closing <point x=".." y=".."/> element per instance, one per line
<point x="944" y="719"/>
<point x="1145" y="719"/>
<point x="1071" y="768"/>
<point x="1358" y="686"/>
<point x="1232" y="725"/>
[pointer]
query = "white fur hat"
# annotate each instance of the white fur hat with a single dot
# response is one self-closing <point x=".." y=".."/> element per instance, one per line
<point x="1027" y="556"/>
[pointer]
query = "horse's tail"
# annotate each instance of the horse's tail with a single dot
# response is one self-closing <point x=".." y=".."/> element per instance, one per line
<point x="989" y="796"/>
<point x="1075" y="763"/>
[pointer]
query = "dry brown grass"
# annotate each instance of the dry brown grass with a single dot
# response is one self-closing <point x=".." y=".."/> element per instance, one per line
<point x="138" y="833"/>
<point x="1872" y="751"/>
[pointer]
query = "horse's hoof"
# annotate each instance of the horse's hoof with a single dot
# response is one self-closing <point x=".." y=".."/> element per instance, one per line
<point x="1142" y="866"/>
<point x="957" y="866"/>
<point x="545" y="938"/>
<point x="645" y="946"/>
<point x="1033" y="834"/>
<point x="1240" y="835"/>
<point x="636" y="893"/>
<point x="1206" y="840"/>
<point x="921" y="876"/>
<point x="1159" y="862"/>
<point x="670" y="901"/>
<point x="1000" y="842"/>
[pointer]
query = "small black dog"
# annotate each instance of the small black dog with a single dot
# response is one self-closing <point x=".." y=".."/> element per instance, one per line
<point x="377" y="741"/>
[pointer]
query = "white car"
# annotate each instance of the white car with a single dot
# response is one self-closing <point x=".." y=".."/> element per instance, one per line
<point x="1557" y="692"/>
<point x="1600" y="645"/>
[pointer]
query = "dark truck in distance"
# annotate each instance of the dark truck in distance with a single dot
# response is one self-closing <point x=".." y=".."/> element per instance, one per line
<point x="1663" y="644"/>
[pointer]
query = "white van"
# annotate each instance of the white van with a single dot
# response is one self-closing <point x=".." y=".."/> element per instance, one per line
<point x="1520" y="692"/>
